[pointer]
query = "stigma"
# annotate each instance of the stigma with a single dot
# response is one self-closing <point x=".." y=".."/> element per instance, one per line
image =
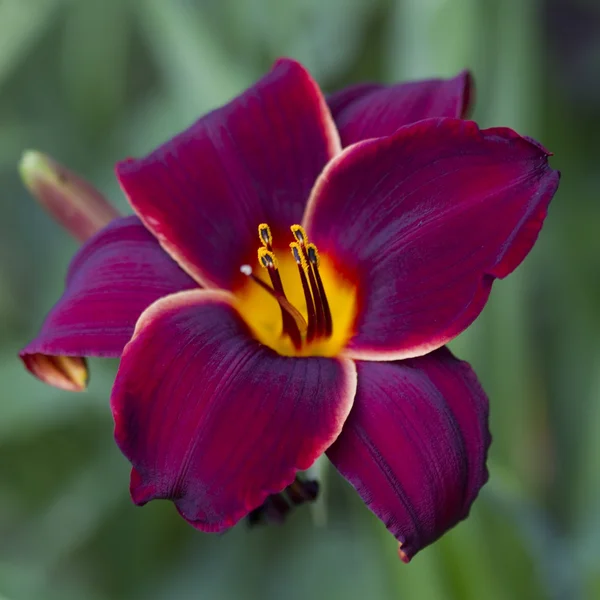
<point x="318" y="324"/>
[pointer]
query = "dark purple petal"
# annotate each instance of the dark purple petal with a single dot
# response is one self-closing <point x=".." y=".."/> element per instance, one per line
<point x="212" y="419"/>
<point x="255" y="160"/>
<point x="113" y="278"/>
<point x="425" y="220"/>
<point x="415" y="445"/>
<point x="368" y="110"/>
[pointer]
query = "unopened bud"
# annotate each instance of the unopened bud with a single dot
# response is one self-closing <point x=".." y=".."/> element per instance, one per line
<point x="76" y="204"/>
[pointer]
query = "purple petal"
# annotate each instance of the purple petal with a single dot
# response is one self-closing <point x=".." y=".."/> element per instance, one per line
<point x="113" y="278"/>
<point x="214" y="420"/>
<point x="415" y="445"/>
<point x="425" y="220"/>
<point x="367" y="110"/>
<point x="255" y="160"/>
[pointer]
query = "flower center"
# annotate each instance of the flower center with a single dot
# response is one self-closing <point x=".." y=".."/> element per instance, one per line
<point x="297" y="303"/>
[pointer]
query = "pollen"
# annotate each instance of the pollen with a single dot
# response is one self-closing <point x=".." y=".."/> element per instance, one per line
<point x="267" y="258"/>
<point x="299" y="234"/>
<point x="313" y="255"/>
<point x="266" y="238"/>
<point x="298" y="255"/>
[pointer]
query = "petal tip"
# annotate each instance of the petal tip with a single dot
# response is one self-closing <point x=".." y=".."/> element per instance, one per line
<point x="123" y="164"/>
<point x="32" y="166"/>
<point x="69" y="373"/>
<point x="403" y="556"/>
<point x="288" y="61"/>
<point x="392" y="450"/>
<point x="141" y="493"/>
<point x="538" y="145"/>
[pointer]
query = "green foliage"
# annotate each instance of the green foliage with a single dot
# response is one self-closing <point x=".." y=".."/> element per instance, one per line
<point x="92" y="81"/>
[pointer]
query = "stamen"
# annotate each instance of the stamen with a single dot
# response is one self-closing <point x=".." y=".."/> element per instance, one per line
<point x="319" y="322"/>
<point x="266" y="238"/>
<point x="267" y="259"/>
<point x="313" y="258"/>
<point x="310" y="305"/>
<point x="293" y="321"/>
<point x="302" y="241"/>
<point x="299" y="234"/>
<point x="298" y="256"/>
<point x="313" y="255"/>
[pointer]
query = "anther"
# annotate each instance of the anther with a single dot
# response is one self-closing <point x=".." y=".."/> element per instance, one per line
<point x="267" y="259"/>
<point x="266" y="238"/>
<point x="298" y="255"/>
<point x="299" y="234"/>
<point x="313" y="255"/>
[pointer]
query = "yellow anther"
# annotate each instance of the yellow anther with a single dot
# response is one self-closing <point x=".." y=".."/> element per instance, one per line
<point x="298" y="255"/>
<point x="299" y="234"/>
<point x="313" y="255"/>
<point x="267" y="259"/>
<point x="264" y="233"/>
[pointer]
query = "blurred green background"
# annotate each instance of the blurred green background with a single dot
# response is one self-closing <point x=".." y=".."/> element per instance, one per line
<point x="92" y="81"/>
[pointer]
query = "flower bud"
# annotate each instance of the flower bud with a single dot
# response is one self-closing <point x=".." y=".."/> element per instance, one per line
<point x="76" y="204"/>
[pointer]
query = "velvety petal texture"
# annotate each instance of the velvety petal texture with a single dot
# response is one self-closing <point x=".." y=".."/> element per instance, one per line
<point x="113" y="278"/>
<point x="369" y="110"/>
<point x="253" y="161"/>
<point x="214" y="420"/>
<point x="415" y="445"/>
<point x="425" y="220"/>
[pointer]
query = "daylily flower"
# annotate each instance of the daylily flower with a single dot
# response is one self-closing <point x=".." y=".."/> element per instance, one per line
<point x="292" y="297"/>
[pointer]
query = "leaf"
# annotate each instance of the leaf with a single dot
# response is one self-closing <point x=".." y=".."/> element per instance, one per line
<point x="197" y="71"/>
<point x="22" y="23"/>
<point x="94" y="63"/>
